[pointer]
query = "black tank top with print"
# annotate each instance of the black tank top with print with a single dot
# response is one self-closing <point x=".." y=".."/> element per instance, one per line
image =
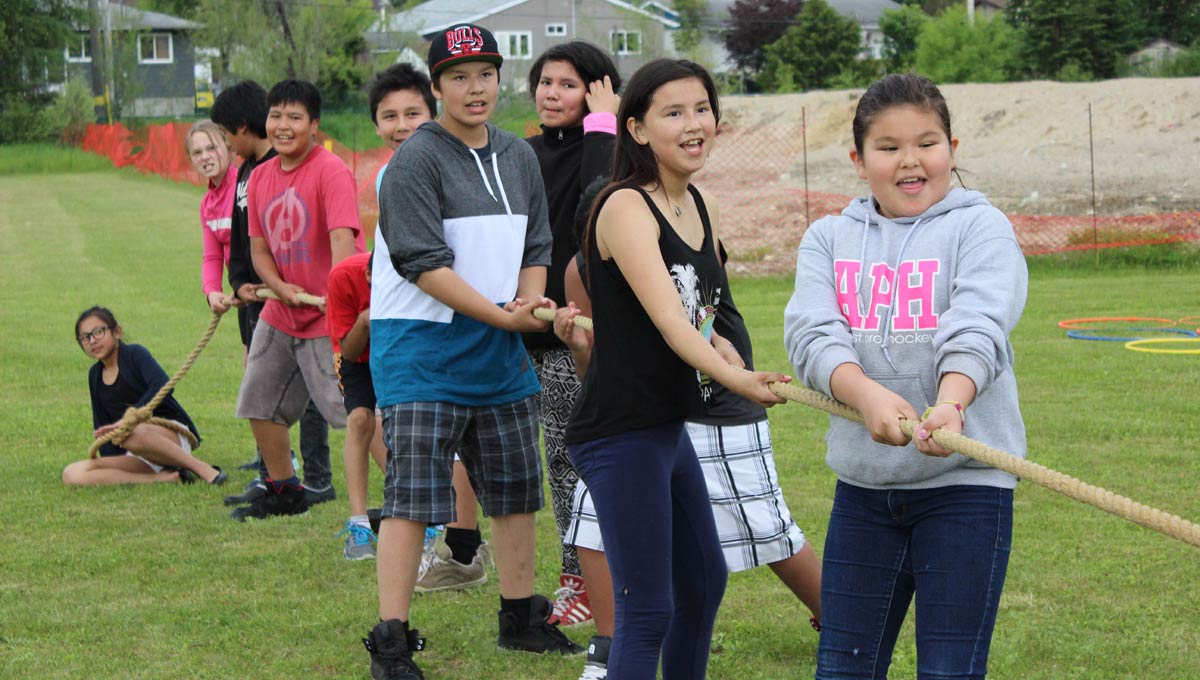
<point x="634" y="379"/>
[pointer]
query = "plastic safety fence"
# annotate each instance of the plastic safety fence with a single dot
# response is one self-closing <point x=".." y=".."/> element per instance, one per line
<point x="754" y="171"/>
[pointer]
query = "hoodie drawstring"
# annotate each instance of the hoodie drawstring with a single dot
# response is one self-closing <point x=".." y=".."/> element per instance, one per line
<point x="482" y="174"/>
<point x="862" y="255"/>
<point x="500" y="185"/>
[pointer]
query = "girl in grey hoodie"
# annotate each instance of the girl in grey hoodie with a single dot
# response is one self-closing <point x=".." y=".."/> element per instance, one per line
<point x="903" y="301"/>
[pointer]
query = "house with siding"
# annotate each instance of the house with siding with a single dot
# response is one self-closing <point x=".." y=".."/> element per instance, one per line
<point x="526" y="28"/>
<point x="158" y="49"/>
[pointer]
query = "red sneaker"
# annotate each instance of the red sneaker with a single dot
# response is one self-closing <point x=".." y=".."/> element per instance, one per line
<point x="571" y="606"/>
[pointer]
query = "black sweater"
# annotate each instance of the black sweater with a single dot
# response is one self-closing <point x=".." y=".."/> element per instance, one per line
<point x="141" y="372"/>
<point x="570" y="161"/>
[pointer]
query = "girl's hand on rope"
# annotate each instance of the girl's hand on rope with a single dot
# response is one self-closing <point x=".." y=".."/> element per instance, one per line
<point x="218" y="303"/>
<point x="521" y="318"/>
<point x="754" y="385"/>
<point x="248" y="293"/>
<point x="601" y="98"/>
<point x="882" y="412"/>
<point x="575" y="338"/>
<point x="943" y="416"/>
<point x="105" y="429"/>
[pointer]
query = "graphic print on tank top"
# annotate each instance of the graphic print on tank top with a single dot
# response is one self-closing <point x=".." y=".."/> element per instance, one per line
<point x="701" y="309"/>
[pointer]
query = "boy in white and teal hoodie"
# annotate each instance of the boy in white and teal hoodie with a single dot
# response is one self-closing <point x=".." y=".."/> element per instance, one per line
<point x="463" y="214"/>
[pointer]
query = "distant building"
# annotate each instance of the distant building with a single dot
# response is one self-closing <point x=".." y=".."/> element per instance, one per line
<point x="1154" y="54"/>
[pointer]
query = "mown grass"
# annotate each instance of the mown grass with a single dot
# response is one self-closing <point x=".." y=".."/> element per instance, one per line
<point x="158" y="583"/>
<point x="40" y="159"/>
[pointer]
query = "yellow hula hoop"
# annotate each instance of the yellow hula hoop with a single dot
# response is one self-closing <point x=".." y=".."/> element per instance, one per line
<point x="1138" y="345"/>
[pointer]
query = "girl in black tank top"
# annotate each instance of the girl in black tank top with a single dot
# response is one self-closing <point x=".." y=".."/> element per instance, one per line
<point x="655" y="282"/>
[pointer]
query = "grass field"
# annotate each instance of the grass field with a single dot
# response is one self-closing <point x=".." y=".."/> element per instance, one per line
<point x="158" y="583"/>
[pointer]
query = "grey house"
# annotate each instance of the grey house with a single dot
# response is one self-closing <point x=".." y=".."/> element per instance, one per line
<point x="525" y="28"/>
<point x="156" y="51"/>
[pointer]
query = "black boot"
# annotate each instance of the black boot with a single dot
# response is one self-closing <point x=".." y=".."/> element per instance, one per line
<point x="391" y="646"/>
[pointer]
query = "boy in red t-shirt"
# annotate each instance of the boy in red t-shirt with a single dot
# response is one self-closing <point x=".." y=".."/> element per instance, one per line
<point x="348" y="317"/>
<point x="303" y="219"/>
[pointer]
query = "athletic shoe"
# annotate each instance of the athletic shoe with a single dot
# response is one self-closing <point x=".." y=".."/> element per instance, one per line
<point x="251" y="464"/>
<point x="484" y="554"/>
<point x="571" y="606"/>
<point x="314" y="496"/>
<point x="360" y="541"/>
<point x="596" y="667"/>
<point x="289" y="501"/>
<point x="535" y="635"/>
<point x="440" y="571"/>
<point x="391" y="649"/>
<point x="254" y="490"/>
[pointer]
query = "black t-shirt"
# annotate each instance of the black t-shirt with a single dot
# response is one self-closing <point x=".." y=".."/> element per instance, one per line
<point x="112" y="402"/>
<point x="241" y="268"/>
<point x="634" y="379"/>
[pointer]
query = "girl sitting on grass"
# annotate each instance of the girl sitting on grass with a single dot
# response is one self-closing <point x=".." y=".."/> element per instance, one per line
<point x="124" y="376"/>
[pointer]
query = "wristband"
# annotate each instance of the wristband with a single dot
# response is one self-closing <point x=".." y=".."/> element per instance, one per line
<point x="600" y="121"/>
<point x="959" y="407"/>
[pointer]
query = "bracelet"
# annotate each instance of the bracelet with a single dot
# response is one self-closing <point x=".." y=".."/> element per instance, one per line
<point x="959" y="407"/>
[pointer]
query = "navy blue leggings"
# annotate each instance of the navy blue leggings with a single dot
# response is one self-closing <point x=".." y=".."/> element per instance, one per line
<point x="660" y="539"/>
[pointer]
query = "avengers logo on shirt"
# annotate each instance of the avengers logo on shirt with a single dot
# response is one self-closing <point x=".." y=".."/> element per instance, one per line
<point x="285" y="221"/>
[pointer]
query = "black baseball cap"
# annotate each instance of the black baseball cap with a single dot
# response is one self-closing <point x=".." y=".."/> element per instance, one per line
<point x="463" y="42"/>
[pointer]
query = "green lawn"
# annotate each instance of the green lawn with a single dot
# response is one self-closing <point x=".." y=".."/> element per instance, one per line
<point x="158" y="583"/>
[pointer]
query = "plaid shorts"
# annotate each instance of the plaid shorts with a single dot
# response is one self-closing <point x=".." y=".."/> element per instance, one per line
<point x="497" y="444"/>
<point x="753" y="521"/>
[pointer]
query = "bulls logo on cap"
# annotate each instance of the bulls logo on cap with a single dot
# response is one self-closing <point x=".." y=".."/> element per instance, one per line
<point x="465" y="42"/>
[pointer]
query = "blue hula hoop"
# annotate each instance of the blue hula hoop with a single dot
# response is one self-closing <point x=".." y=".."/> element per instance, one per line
<point x="1091" y="335"/>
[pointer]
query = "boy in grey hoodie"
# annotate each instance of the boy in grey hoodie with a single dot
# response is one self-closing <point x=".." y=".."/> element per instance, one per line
<point x="907" y="299"/>
<point x="463" y="216"/>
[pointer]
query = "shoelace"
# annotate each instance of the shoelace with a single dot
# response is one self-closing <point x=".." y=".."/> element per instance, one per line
<point x="563" y="597"/>
<point x="359" y="534"/>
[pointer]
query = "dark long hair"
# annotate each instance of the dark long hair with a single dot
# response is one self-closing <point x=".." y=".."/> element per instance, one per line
<point x="635" y="164"/>
<point x="589" y="61"/>
<point x="102" y="313"/>
<point x="898" y="89"/>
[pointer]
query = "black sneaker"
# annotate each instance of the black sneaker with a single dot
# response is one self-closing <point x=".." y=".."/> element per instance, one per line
<point x="314" y="496"/>
<point x="596" y="667"/>
<point x="534" y="635"/>
<point x="289" y="501"/>
<point x="251" y="464"/>
<point x="254" y="490"/>
<point x="391" y="648"/>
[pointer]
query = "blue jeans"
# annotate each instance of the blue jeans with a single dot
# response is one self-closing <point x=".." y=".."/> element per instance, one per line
<point x="949" y="545"/>
<point x="661" y="543"/>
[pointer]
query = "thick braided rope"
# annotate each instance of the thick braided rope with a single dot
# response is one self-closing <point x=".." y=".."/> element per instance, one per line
<point x="136" y="416"/>
<point x="1165" y="523"/>
<point x="1162" y="522"/>
<point x="546" y="315"/>
<point x="268" y="294"/>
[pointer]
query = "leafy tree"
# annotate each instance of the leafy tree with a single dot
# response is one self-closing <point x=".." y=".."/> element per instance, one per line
<point x="1096" y="34"/>
<point x="1175" y="20"/>
<point x="900" y="29"/>
<point x="178" y="8"/>
<point x="754" y="24"/>
<point x="950" y="49"/>
<point x="814" y="50"/>
<point x="31" y="54"/>
<point x="691" y="19"/>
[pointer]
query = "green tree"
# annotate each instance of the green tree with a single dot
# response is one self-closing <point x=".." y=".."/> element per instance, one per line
<point x="900" y="28"/>
<point x="1096" y="34"/>
<point x="950" y="49"/>
<point x="33" y="34"/>
<point x="1176" y="20"/>
<point x="691" y="24"/>
<point x="754" y="24"/>
<point x="813" y="50"/>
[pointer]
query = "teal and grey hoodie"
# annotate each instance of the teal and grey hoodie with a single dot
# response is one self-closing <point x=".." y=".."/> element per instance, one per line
<point x="443" y="204"/>
<point x="909" y="300"/>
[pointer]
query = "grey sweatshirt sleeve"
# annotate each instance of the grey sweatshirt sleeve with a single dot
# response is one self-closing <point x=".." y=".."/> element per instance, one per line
<point x="987" y="297"/>
<point x="410" y="217"/>
<point x="815" y="332"/>
<point x="538" y="236"/>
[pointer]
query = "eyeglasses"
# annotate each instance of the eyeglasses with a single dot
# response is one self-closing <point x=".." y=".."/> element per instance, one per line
<point x="93" y="335"/>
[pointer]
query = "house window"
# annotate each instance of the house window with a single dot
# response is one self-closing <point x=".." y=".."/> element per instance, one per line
<point x="78" y="50"/>
<point x="627" y="42"/>
<point x="155" y="48"/>
<point x="515" y="44"/>
<point x="556" y="29"/>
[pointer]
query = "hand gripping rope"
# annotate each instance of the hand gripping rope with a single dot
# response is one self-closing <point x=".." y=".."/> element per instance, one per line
<point x="1167" y="524"/>
<point x="145" y="414"/>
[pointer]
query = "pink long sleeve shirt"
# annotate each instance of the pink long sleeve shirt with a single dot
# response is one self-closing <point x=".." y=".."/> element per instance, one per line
<point x="216" y="209"/>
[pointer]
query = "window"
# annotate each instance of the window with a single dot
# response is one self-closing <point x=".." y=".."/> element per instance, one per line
<point x="78" y="50"/>
<point x="556" y="29"/>
<point x="627" y="42"/>
<point x="515" y="44"/>
<point x="155" y="48"/>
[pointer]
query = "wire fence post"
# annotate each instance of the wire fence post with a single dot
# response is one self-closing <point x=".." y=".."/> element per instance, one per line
<point x="1092" y="159"/>
<point x="804" y="138"/>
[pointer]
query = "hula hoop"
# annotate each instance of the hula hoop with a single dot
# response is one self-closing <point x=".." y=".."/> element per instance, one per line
<point x="1087" y="335"/>
<point x="1137" y="346"/>
<point x="1188" y="320"/>
<point x="1072" y="323"/>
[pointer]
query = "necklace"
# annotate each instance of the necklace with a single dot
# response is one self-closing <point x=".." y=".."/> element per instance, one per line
<point x="678" y="209"/>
